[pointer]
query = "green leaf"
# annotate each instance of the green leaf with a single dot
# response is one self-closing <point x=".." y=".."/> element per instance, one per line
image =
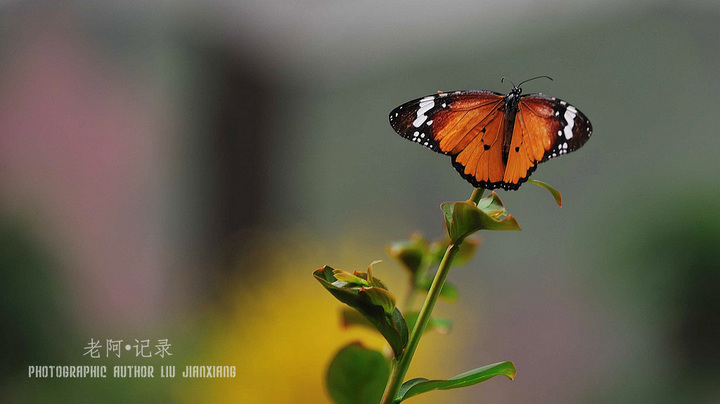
<point x="368" y="278"/>
<point x="411" y="254"/>
<point x="380" y="297"/>
<point x="553" y="191"/>
<point x="346" y="278"/>
<point x="465" y="252"/>
<point x="441" y="325"/>
<point x="448" y="292"/>
<point x="391" y="325"/>
<point x="357" y="375"/>
<point x="492" y="205"/>
<point x="417" y="386"/>
<point x="464" y="218"/>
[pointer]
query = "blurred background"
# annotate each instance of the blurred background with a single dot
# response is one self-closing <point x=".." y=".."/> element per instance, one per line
<point x="176" y="170"/>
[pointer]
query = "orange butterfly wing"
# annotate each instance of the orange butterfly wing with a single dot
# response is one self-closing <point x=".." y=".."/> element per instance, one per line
<point x="545" y="127"/>
<point x="467" y="125"/>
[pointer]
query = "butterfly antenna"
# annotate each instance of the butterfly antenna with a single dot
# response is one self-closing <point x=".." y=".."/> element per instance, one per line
<point x="502" y="80"/>
<point x="538" y="77"/>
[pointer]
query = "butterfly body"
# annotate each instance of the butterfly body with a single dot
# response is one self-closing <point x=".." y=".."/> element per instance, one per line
<point x="512" y="100"/>
<point x="495" y="140"/>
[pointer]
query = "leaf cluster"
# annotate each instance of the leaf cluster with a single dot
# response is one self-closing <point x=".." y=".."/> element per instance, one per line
<point x="359" y="375"/>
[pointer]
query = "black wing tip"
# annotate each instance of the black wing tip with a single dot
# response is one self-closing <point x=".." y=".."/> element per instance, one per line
<point x="393" y="116"/>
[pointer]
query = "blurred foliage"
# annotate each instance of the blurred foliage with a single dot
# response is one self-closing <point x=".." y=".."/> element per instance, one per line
<point x="38" y="329"/>
<point x="357" y="375"/>
<point x="665" y="270"/>
<point x="31" y="307"/>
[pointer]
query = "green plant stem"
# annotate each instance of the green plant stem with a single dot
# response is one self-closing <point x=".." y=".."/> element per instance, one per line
<point x="477" y="195"/>
<point x="403" y="364"/>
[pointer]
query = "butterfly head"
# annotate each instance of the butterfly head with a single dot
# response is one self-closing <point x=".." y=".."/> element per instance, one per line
<point x="516" y="90"/>
<point x="513" y="98"/>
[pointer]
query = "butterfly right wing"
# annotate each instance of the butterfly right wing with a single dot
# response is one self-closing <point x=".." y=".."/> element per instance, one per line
<point x="545" y="127"/>
<point x="467" y="125"/>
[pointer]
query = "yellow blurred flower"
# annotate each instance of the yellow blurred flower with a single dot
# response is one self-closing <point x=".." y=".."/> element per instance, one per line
<point x="281" y="329"/>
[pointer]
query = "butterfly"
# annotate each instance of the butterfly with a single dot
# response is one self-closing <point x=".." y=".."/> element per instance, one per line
<point x="495" y="140"/>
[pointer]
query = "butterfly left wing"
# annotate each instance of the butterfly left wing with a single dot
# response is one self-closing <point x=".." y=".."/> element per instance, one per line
<point x="545" y="127"/>
<point x="467" y="125"/>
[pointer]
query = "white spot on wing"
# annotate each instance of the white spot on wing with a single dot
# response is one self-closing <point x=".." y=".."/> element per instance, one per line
<point x="425" y="105"/>
<point x="569" y="116"/>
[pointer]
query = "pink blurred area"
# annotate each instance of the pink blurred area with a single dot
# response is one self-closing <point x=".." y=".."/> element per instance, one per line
<point x="81" y="155"/>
